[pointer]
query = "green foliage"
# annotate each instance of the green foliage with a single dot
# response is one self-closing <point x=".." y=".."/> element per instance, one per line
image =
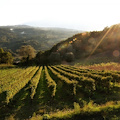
<point x="54" y="57"/>
<point x="46" y="117"/>
<point x="5" y="57"/>
<point x="87" y="84"/>
<point x="34" y="82"/>
<point x="42" y="58"/>
<point x="69" y="57"/>
<point x="51" y="83"/>
<point x="19" y="81"/>
<point x="66" y="81"/>
<point x="76" y="107"/>
<point x="59" y="92"/>
<point x="27" y="52"/>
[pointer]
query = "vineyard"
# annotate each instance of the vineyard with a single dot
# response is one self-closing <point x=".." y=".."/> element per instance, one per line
<point x="59" y="92"/>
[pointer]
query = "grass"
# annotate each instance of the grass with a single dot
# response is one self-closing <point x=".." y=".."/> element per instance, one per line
<point x="104" y="111"/>
<point x="7" y="66"/>
<point x="111" y="66"/>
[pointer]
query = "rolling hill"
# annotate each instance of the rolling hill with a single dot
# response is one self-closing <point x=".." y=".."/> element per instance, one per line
<point x="13" y="37"/>
<point x="62" y="92"/>
<point x="99" y="46"/>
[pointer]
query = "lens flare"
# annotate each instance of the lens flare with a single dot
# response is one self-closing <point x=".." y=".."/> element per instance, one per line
<point x="100" y="42"/>
<point x="70" y="42"/>
<point x="116" y="53"/>
<point x="62" y="46"/>
<point x="74" y="39"/>
<point x="83" y="34"/>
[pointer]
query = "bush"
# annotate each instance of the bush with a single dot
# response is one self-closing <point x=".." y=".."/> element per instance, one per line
<point x="69" y="57"/>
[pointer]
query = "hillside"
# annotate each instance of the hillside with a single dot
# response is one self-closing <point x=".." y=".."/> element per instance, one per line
<point x="96" y="45"/>
<point x="59" y="92"/>
<point x="13" y="37"/>
<point x="45" y="91"/>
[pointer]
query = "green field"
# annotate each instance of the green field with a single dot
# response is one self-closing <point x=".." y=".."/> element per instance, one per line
<point x="59" y="92"/>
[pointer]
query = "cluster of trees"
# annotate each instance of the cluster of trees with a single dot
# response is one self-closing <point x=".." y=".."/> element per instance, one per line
<point x="49" y="57"/>
<point x="26" y="55"/>
<point x="5" y="57"/>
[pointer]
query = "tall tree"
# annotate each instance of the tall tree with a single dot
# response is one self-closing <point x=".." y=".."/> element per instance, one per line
<point x="27" y="52"/>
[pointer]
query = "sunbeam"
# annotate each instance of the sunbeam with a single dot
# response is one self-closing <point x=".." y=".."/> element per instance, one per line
<point x="99" y="42"/>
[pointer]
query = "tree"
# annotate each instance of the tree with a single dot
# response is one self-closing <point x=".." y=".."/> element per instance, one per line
<point x="5" y="57"/>
<point x="27" y="52"/>
<point x="69" y="57"/>
<point x="54" y="57"/>
<point x="1" y="50"/>
<point x="1" y="54"/>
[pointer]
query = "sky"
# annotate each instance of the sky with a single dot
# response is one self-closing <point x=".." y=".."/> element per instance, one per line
<point x="89" y="15"/>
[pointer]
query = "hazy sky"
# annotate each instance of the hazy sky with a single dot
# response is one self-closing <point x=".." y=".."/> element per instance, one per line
<point x="74" y="14"/>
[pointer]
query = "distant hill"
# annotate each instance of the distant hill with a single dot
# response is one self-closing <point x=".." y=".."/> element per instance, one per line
<point x="96" y="45"/>
<point x="13" y="37"/>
